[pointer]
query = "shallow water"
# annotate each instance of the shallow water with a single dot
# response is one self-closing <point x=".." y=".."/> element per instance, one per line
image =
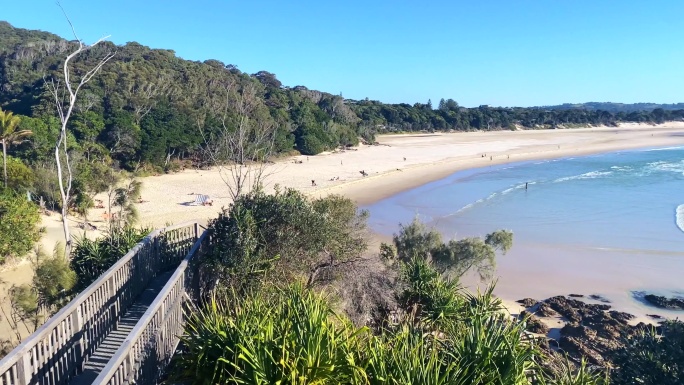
<point x="622" y="204"/>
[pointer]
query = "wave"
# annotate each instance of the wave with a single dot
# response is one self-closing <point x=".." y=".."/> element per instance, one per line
<point x="677" y="167"/>
<point x="517" y="187"/>
<point x="621" y="168"/>
<point x="679" y="217"/>
<point x="588" y="175"/>
<point x="664" y="149"/>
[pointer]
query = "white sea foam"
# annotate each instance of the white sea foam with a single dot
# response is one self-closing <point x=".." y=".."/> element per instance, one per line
<point x="588" y="175"/>
<point x="621" y="168"/>
<point x="677" y="167"/>
<point x="664" y="148"/>
<point x="679" y="217"/>
<point x="517" y="187"/>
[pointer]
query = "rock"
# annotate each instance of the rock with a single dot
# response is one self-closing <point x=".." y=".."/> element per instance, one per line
<point x="565" y="307"/>
<point x="621" y="316"/>
<point x="597" y="297"/>
<point x="576" y="347"/>
<point x="655" y="316"/>
<point x="527" y="302"/>
<point x="545" y="310"/>
<point x="577" y="295"/>
<point x="577" y="330"/>
<point x="591" y="330"/>
<point x="534" y="324"/>
<point x="665" y="303"/>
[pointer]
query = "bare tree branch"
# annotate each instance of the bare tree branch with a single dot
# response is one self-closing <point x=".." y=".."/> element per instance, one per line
<point x="244" y="143"/>
<point x="64" y="110"/>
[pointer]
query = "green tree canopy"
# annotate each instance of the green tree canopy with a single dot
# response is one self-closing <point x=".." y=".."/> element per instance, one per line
<point x="19" y="221"/>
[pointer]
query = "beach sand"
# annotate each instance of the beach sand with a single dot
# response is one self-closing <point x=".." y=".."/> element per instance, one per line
<point x="398" y="163"/>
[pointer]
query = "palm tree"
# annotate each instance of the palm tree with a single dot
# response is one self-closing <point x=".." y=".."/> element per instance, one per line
<point x="9" y="135"/>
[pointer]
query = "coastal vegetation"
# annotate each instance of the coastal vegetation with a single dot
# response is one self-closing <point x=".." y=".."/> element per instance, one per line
<point x="267" y="321"/>
<point x="19" y="228"/>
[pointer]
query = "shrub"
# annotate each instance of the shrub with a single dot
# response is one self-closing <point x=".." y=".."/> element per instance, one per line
<point x="652" y="357"/>
<point x="19" y="229"/>
<point x="290" y="336"/>
<point x="91" y="258"/>
<point x="456" y="257"/>
<point x="19" y="176"/>
<point x="309" y="239"/>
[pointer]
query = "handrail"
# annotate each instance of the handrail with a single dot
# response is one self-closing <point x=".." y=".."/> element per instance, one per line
<point x="117" y="370"/>
<point x="62" y="330"/>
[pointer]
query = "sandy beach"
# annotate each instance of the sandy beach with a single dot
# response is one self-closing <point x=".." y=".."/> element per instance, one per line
<point x="398" y="163"/>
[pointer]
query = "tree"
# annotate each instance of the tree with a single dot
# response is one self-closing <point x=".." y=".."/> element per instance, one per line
<point x="243" y="142"/>
<point x="457" y="257"/>
<point x="19" y="176"/>
<point x="48" y="292"/>
<point x="286" y="236"/>
<point x="64" y="110"/>
<point x="9" y="135"/>
<point x="19" y="229"/>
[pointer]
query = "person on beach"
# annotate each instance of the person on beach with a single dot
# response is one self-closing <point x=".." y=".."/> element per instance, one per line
<point x="313" y="182"/>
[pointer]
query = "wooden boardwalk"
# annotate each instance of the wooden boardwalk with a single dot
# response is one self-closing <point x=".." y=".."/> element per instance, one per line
<point x="124" y="327"/>
<point x="111" y="344"/>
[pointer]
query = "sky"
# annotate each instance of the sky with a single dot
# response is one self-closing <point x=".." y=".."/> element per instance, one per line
<point x="496" y="52"/>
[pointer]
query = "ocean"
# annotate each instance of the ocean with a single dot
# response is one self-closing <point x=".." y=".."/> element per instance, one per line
<point x="622" y="212"/>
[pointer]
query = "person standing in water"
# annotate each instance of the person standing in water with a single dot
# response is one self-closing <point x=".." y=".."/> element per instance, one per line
<point x="525" y="186"/>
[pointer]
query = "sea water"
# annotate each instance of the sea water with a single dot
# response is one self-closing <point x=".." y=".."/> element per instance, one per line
<point x="630" y="203"/>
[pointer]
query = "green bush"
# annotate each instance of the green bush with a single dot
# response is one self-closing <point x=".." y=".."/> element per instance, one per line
<point x="19" y="176"/>
<point x="291" y="336"/>
<point x="652" y="357"/>
<point x="457" y="257"/>
<point x="91" y="258"/>
<point x="288" y="337"/>
<point x="19" y="229"/>
<point x="310" y="238"/>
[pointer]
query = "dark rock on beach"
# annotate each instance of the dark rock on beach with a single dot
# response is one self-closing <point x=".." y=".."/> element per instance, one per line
<point x="545" y="310"/>
<point x="534" y="324"/>
<point x="664" y="302"/>
<point x="593" y="331"/>
<point x="527" y="302"/>
<point x="576" y="295"/>
<point x="599" y="298"/>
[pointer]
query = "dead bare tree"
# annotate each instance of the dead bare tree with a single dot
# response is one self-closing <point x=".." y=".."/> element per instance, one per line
<point x="65" y="95"/>
<point x="243" y="145"/>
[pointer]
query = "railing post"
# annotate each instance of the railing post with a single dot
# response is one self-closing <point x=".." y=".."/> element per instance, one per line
<point x="24" y="369"/>
<point x="77" y="326"/>
<point x="197" y="232"/>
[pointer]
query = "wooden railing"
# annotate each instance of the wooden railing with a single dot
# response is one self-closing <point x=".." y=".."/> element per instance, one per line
<point x="145" y="354"/>
<point x="57" y="351"/>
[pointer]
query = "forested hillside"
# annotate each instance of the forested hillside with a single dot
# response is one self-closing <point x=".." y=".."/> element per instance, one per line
<point x="148" y="107"/>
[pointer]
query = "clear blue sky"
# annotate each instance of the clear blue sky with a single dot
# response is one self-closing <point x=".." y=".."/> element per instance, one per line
<point x="503" y="52"/>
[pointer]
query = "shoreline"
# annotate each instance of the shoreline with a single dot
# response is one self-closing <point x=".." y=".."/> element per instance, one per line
<point x="378" y="187"/>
